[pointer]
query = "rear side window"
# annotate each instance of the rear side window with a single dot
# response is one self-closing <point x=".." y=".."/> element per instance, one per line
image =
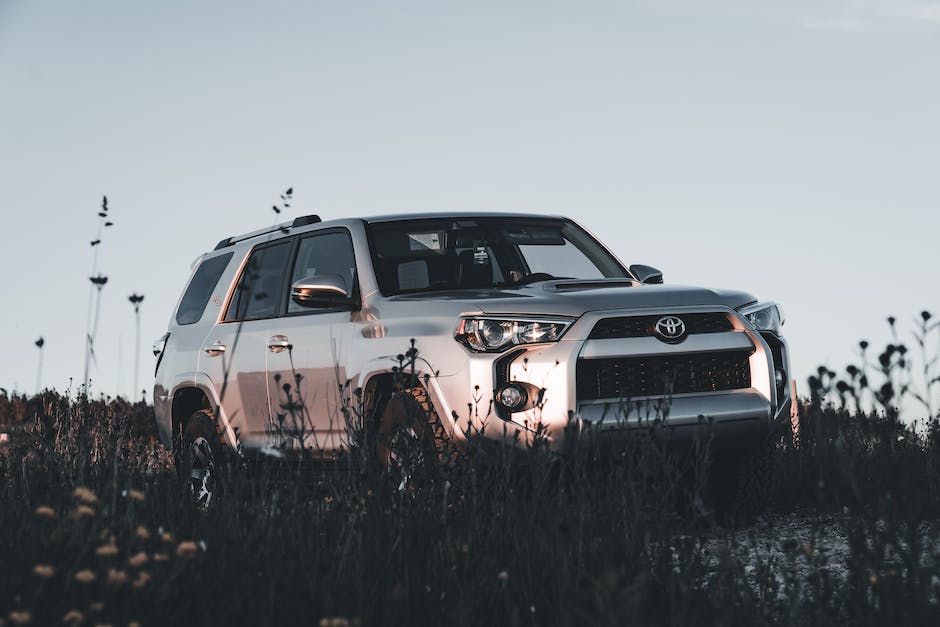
<point x="200" y="289"/>
<point x="259" y="289"/>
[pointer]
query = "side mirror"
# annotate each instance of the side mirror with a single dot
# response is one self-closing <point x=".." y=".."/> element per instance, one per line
<point x="326" y="290"/>
<point x="646" y="274"/>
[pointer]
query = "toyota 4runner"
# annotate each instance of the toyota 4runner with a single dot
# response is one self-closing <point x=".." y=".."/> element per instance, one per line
<point x="526" y="328"/>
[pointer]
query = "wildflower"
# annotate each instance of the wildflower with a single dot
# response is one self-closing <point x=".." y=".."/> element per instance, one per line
<point x="20" y="617"/>
<point x="85" y="495"/>
<point x="83" y="511"/>
<point x="135" y="495"/>
<point x="4" y="438"/>
<point x="142" y="532"/>
<point x="44" y="511"/>
<point x="161" y="557"/>
<point x="137" y="560"/>
<point x="143" y="578"/>
<point x="84" y="576"/>
<point x="117" y="578"/>
<point x="73" y="617"/>
<point x="327" y="499"/>
<point x="43" y="570"/>
<point x="187" y="548"/>
<point x="106" y="550"/>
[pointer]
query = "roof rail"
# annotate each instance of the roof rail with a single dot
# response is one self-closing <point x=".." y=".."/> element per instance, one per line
<point x="284" y="226"/>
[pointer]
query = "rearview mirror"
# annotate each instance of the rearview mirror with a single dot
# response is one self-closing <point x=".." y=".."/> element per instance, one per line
<point x="325" y="290"/>
<point x="646" y="274"/>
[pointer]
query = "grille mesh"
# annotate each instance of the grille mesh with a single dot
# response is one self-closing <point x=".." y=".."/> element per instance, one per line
<point x="633" y="377"/>
<point x="642" y="326"/>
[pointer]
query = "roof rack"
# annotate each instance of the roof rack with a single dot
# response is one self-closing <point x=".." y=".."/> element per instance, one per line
<point x="284" y="226"/>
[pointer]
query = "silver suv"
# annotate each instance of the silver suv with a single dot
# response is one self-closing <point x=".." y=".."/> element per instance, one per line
<point x="525" y="328"/>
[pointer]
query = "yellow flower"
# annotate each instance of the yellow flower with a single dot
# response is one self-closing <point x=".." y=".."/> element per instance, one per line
<point x="117" y="578"/>
<point x="73" y="617"/>
<point x="84" y="576"/>
<point x="137" y="560"/>
<point x="135" y="495"/>
<point x="83" y="511"/>
<point x="85" y="495"/>
<point x="143" y="578"/>
<point x="187" y="548"/>
<point x="44" y="511"/>
<point x="106" y="550"/>
<point x="43" y="570"/>
<point x="142" y="533"/>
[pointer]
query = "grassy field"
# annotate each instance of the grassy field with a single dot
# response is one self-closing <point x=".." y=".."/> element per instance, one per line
<point x="95" y="529"/>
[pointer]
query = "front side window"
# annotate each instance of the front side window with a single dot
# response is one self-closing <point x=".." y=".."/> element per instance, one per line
<point x="261" y="283"/>
<point x="478" y="253"/>
<point x="322" y="255"/>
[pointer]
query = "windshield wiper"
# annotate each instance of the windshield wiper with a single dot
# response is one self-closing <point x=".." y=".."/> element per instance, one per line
<point x="535" y="277"/>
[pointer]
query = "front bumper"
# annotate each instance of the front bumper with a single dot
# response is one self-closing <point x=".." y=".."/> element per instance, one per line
<point x="728" y="417"/>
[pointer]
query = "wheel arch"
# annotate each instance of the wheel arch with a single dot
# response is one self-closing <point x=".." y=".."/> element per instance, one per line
<point x="378" y="385"/>
<point x="187" y="400"/>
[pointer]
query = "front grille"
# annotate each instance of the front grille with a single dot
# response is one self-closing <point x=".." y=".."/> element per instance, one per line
<point x="642" y="326"/>
<point x="662" y="375"/>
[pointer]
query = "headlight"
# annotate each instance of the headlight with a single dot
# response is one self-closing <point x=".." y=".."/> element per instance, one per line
<point x="764" y="316"/>
<point x="497" y="334"/>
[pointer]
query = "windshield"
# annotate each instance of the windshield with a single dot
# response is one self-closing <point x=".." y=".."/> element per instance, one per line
<point x="475" y="253"/>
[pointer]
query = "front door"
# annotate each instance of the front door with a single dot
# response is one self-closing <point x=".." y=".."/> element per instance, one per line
<point x="308" y="350"/>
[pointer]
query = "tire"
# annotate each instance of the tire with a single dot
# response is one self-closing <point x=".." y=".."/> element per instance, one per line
<point x="740" y="483"/>
<point x="410" y="435"/>
<point x="201" y="458"/>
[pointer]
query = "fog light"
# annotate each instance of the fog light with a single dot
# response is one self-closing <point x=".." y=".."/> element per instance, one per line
<point x="512" y="397"/>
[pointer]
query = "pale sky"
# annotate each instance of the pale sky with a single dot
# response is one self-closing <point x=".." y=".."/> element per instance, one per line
<point x="786" y="148"/>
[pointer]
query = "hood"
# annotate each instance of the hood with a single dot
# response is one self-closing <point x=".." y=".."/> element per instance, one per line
<point x="573" y="298"/>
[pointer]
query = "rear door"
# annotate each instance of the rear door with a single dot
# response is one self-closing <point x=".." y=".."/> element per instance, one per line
<point x="235" y="351"/>
<point x="308" y="349"/>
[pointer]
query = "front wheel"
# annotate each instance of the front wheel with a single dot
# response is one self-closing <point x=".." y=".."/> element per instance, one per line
<point x="410" y="435"/>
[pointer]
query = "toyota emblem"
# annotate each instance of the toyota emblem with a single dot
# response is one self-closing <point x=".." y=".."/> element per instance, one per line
<point x="670" y="329"/>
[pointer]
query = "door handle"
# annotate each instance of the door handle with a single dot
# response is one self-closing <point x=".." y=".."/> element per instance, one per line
<point x="279" y="344"/>
<point x="215" y="349"/>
